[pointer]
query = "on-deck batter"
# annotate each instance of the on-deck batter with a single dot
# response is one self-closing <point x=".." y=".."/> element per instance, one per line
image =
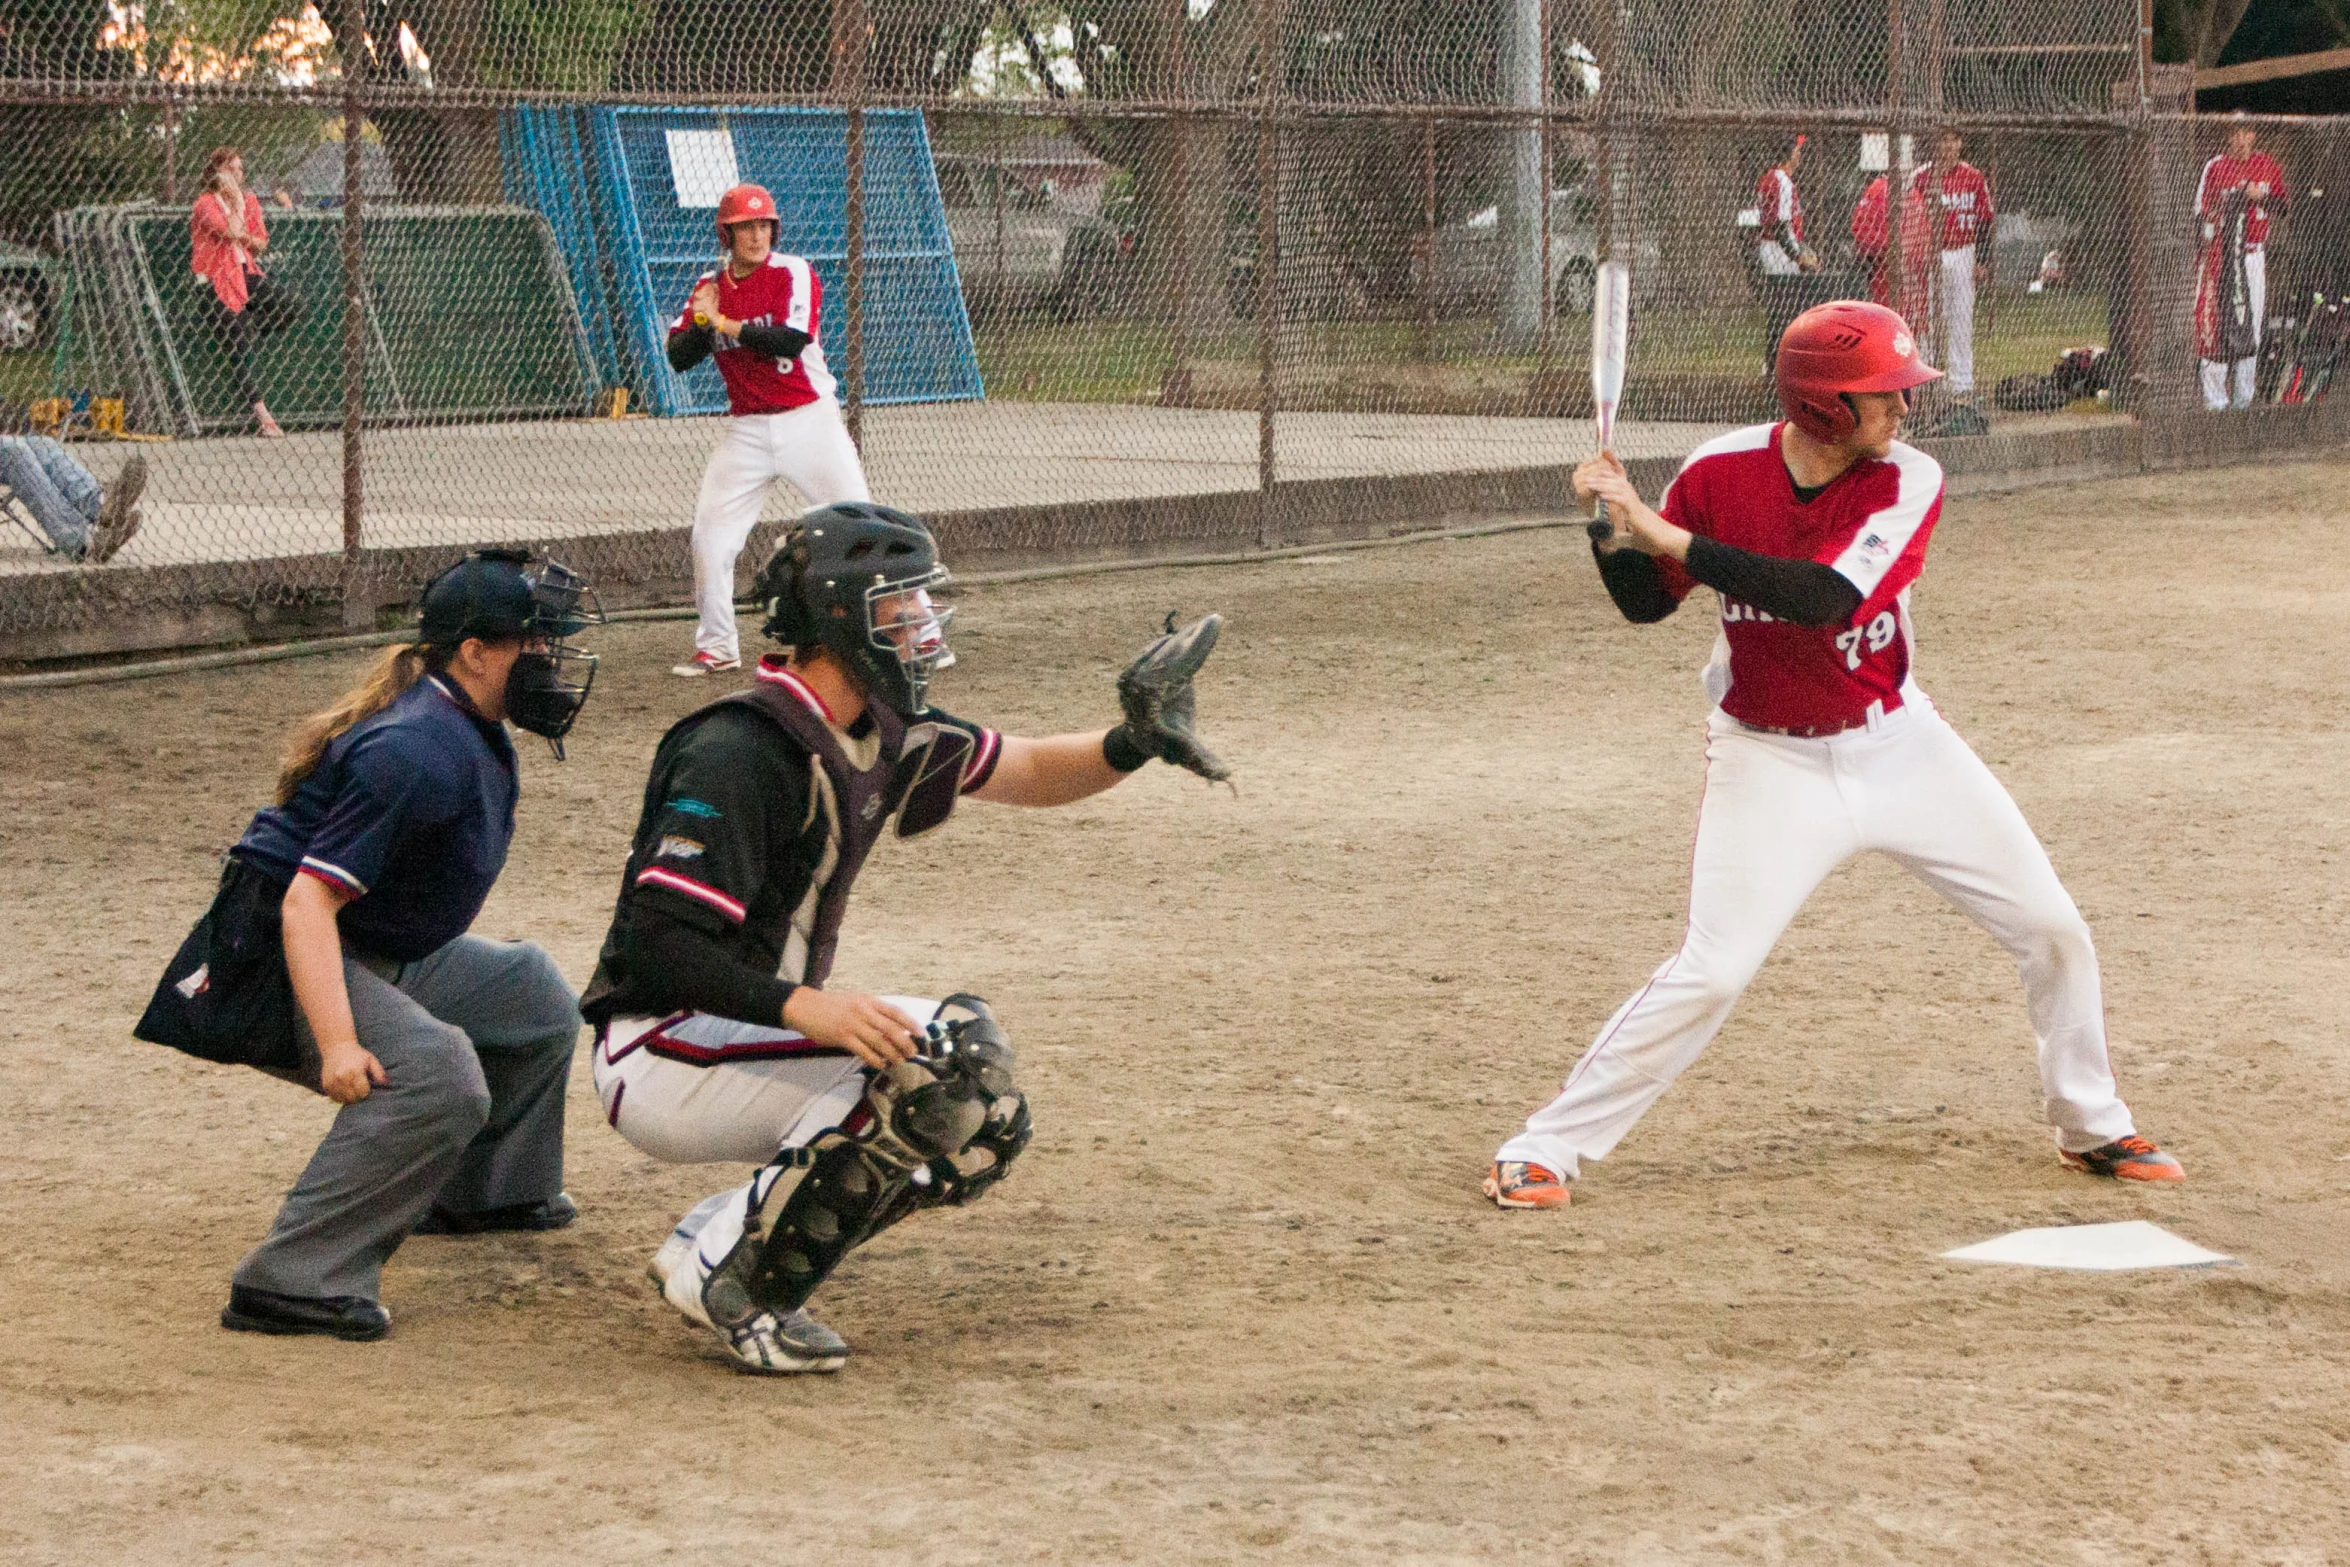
<point x="1811" y="532"/>
<point x="758" y="312"/>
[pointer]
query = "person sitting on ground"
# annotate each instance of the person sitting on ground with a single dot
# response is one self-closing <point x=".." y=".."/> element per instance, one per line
<point x="85" y="521"/>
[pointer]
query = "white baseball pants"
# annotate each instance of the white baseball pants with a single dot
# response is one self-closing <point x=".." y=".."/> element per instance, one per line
<point x="1958" y="319"/>
<point x="810" y="450"/>
<point x="2215" y="372"/>
<point x="1781" y="813"/>
<point x="699" y="1089"/>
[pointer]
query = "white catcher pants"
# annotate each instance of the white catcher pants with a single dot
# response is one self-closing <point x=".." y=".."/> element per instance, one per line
<point x="810" y="450"/>
<point x="696" y="1089"/>
<point x="2215" y="372"/>
<point x="1781" y="813"/>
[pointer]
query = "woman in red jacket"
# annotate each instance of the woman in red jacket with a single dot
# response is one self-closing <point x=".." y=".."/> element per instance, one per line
<point x="227" y="239"/>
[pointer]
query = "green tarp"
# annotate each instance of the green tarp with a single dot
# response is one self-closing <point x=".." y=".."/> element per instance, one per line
<point x="469" y="317"/>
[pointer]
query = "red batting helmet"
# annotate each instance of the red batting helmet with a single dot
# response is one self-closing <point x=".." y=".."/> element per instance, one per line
<point x="1847" y="346"/>
<point x="744" y="204"/>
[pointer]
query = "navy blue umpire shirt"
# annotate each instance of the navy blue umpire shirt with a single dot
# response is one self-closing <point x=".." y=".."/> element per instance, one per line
<point x="410" y="812"/>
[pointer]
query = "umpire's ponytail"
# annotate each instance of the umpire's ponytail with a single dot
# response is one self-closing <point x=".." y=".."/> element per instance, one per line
<point x="400" y="667"/>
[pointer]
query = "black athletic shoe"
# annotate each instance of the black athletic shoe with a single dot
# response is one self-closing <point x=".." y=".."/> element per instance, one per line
<point x="552" y="1214"/>
<point x="337" y="1316"/>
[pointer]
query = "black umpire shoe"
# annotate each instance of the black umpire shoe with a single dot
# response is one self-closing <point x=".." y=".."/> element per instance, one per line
<point x="552" y="1214"/>
<point x="337" y="1316"/>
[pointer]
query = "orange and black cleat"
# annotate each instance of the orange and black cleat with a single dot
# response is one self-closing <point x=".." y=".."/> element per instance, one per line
<point x="1513" y="1184"/>
<point x="2126" y="1159"/>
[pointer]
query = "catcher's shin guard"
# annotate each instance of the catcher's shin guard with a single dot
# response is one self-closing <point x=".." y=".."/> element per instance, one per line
<point x="952" y="1113"/>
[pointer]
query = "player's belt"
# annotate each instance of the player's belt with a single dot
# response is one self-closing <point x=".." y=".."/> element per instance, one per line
<point x="1807" y="731"/>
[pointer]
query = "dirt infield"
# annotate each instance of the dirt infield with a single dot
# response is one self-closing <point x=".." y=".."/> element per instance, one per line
<point x="1242" y="1301"/>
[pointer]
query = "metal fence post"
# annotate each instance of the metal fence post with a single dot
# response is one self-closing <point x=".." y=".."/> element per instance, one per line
<point x="1427" y="239"/>
<point x="849" y="27"/>
<point x="1175" y="383"/>
<point x="358" y="595"/>
<point x="2133" y="343"/>
<point x="1544" y="334"/>
<point x="1175" y="380"/>
<point x="1268" y="256"/>
<point x="1896" y="166"/>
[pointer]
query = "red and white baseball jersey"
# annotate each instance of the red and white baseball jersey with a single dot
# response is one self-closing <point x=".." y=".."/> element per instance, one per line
<point x="1966" y="201"/>
<point x="784" y="292"/>
<point x="1871" y="524"/>
<point x="1781" y="207"/>
<point x="2223" y="174"/>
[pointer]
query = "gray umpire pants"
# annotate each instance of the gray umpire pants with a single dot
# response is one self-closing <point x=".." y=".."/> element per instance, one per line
<point x="476" y="1040"/>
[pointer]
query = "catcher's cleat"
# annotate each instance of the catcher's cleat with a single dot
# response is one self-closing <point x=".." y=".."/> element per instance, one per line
<point x="705" y="664"/>
<point x="673" y="1251"/>
<point x="2126" y="1159"/>
<point x="1513" y="1184"/>
<point x="774" y="1343"/>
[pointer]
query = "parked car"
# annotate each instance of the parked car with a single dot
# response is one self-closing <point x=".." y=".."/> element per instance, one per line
<point x="30" y="284"/>
<point x="1015" y="246"/>
<point x="1467" y="275"/>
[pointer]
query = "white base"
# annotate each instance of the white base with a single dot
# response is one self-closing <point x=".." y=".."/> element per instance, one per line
<point x="2094" y="1248"/>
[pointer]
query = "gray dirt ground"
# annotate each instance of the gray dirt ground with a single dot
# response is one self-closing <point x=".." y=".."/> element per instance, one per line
<point x="1242" y="1301"/>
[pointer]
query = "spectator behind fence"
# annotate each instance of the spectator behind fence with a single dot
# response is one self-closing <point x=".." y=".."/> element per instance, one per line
<point x="1782" y="260"/>
<point x="84" y="521"/>
<point x="1963" y="196"/>
<point x="227" y="238"/>
<point x="2240" y="195"/>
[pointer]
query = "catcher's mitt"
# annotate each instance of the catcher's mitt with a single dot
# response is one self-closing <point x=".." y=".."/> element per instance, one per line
<point x="1155" y="691"/>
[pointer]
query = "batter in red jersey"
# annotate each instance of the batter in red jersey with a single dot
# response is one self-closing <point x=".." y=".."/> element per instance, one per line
<point x="2234" y="201"/>
<point x="1810" y="532"/>
<point x="1957" y="189"/>
<point x="758" y="314"/>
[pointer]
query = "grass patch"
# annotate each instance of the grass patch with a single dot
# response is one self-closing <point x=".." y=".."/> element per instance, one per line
<point x="1113" y="360"/>
<point x="25" y="376"/>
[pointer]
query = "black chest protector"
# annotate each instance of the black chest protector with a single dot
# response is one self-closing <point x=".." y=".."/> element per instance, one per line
<point x="915" y="779"/>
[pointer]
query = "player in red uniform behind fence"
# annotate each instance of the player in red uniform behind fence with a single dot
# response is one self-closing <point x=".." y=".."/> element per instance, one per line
<point x="2239" y="191"/>
<point x="1811" y="532"/>
<point x="757" y="313"/>
<point x="1957" y="189"/>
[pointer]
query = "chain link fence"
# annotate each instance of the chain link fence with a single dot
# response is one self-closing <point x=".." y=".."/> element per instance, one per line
<point x="1098" y="279"/>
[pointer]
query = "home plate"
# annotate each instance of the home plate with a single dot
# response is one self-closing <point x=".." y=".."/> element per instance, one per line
<point x="2096" y="1248"/>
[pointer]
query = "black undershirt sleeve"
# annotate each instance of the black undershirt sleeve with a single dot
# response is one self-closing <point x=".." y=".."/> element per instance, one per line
<point x="689" y="347"/>
<point x="1801" y="592"/>
<point x="778" y="342"/>
<point x="1633" y="581"/>
<point x="686" y="968"/>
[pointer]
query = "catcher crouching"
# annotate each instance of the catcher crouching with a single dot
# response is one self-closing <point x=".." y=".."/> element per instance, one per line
<point x="715" y="1037"/>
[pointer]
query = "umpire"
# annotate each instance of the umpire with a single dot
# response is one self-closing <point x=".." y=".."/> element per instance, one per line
<point x="336" y="954"/>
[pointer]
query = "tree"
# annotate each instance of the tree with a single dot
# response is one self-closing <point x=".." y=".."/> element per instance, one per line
<point x="2193" y="32"/>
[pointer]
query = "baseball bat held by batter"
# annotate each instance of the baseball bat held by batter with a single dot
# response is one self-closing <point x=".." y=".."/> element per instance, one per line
<point x="1611" y="332"/>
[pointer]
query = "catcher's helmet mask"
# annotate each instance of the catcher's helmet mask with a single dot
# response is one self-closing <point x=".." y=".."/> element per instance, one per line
<point x="856" y="579"/>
